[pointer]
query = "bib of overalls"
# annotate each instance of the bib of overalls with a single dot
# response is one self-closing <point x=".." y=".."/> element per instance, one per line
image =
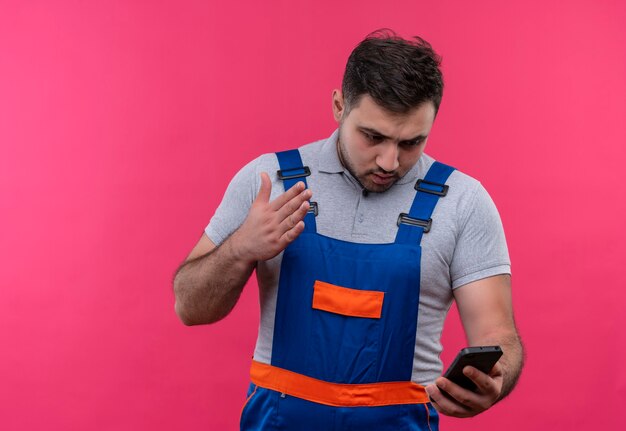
<point x="347" y="314"/>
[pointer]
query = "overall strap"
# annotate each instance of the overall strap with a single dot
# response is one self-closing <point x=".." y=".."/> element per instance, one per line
<point x="418" y="221"/>
<point x="291" y="171"/>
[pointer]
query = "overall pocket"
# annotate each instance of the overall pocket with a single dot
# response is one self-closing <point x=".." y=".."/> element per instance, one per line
<point x="345" y="333"/>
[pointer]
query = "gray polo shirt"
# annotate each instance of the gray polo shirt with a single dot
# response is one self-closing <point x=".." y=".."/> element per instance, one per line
<point x="466" y="242"/>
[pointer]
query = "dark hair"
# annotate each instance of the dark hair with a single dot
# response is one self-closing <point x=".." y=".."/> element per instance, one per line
<point x="398" y="74"/>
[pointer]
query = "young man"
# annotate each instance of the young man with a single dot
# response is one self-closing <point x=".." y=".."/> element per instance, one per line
<point x="360" y="243"/>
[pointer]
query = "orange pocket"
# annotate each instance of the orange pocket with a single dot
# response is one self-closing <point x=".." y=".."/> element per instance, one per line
<point x="349" y="302"/>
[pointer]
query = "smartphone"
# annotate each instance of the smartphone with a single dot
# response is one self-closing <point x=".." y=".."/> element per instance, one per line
<point x="482" y="358"/>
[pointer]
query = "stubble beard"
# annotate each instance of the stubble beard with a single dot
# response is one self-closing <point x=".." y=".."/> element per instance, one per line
<point x="363" y="179"/>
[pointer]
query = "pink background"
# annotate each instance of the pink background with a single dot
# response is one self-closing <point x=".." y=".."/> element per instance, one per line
<point x="121" y="122"/>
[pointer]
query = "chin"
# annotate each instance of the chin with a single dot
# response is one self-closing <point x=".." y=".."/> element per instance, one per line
<point x="377" y="188"/>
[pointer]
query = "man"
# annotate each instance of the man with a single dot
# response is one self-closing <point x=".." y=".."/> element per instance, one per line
<point x="360" y="242"/>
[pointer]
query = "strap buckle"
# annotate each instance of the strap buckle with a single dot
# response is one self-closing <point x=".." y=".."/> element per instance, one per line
<point x="419" y="188"/>
<point x="288" y="174"/>
<point x="426" y="224"/>
<point x="313" y="208"/>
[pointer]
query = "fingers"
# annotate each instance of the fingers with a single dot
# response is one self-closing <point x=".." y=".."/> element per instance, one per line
<point x="281" y="200"/>
<point x="277" y="223"/>
<point x="293" y="225"/>
<point x="289" y="206"/>
<point x="485" y="383"/>
<point x="291" y="220"/>
<point x="293" y="233"/>
<point x="294" y="205"/>
<point x="266" y="188"/>
<point x="445" y="404"/>
<point x="453" y="400"/>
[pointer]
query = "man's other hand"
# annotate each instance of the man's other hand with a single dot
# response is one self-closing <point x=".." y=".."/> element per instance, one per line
<point x="461" y="402"/>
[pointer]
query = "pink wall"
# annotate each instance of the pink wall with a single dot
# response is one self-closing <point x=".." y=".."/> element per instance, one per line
<point x="121" y="123"/>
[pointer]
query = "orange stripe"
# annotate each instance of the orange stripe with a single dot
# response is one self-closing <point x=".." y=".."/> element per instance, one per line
<point x="336" y="394"/>
<point x="349" y="302"/>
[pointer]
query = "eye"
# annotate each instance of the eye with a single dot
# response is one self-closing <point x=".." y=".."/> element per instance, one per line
<point x="373" y="138"/>
<point x="411" y="144"/>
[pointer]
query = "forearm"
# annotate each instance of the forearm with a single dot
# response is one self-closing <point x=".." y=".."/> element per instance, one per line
<point x="208" y="287"/>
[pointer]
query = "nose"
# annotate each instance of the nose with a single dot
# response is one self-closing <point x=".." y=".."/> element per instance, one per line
<point x="387" y="158"/>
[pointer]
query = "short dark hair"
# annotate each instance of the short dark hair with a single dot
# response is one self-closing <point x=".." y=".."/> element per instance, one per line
<point x="398" y="74"/>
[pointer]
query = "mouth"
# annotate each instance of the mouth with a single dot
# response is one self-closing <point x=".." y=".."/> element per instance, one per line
<point x="381" y="179"/>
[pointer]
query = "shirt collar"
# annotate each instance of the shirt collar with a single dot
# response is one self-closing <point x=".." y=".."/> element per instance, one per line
<point x="329" y="161"/>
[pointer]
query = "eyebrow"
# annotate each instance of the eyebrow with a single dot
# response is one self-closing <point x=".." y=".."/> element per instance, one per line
<point x="376" y="132"/>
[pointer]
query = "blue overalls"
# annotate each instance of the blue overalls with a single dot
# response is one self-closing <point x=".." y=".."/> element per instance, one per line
<point x="345" y="327"/>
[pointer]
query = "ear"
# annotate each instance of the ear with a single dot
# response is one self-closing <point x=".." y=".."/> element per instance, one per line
<point x="338" y="105"/>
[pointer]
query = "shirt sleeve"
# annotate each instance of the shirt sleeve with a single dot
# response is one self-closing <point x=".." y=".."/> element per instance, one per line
<point x="481" y="250"/>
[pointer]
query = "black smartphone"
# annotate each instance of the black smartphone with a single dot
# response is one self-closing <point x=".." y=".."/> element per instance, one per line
<point x="482" y="358"/>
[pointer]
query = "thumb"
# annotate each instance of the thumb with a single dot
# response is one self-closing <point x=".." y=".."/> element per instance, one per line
<point x="266" y="189"/>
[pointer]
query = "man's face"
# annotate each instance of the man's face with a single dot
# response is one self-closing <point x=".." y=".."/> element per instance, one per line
<point x="378" y="147"/>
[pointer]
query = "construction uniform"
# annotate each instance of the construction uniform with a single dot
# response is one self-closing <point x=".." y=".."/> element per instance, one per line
<point x="345" y="324"/>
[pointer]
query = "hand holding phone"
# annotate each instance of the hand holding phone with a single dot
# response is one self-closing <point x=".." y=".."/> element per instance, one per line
<point x="482" y="358"/>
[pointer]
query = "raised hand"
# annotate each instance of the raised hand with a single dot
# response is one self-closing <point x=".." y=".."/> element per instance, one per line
<point x="271" y="226"/>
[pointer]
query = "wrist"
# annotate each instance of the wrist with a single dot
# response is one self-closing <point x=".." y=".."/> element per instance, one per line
<point x="237" y="250"/>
